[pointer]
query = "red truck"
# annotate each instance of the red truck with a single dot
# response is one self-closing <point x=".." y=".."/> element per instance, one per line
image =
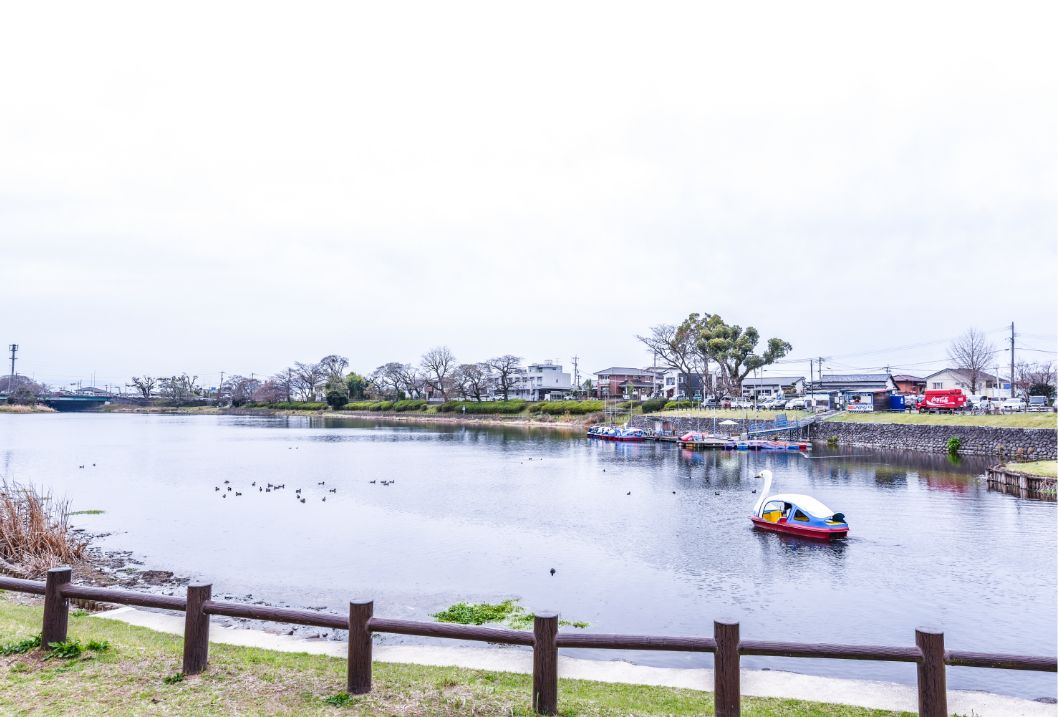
<point x="949" y="399"/>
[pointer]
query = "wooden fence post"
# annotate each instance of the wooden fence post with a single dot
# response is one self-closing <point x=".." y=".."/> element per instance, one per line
<point x="358" y="680"/>
<point x="726" y="679"/>
<point x="196" y="629"/>
<point x="56" y="607"/>
<point x="545" y="663"/>
<point x="932" y="681"/>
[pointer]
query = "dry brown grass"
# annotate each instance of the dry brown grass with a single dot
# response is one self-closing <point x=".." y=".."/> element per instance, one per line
<point x="35" y="532"/>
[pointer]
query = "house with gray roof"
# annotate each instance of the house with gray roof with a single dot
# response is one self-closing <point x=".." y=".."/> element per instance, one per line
<point x="773" y="386"/>
<point x="987" y="384"/>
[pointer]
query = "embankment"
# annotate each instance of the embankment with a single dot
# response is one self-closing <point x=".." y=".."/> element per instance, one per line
<point x="1027" y="443"/>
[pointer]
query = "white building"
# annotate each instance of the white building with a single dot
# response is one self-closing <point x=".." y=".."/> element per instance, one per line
<point x="542" y="382"/>
<point x="773" y="386"/>
<point x="987" y="384"/>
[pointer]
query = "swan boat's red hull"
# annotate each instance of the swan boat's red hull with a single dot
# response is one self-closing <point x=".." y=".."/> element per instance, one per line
<point x="804" y="531"/>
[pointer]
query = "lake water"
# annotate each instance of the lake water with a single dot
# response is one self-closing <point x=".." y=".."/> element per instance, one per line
<point x="485" y="513"/>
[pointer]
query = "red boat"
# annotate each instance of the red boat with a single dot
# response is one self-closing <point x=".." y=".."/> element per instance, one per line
<point x="796" y="514"/>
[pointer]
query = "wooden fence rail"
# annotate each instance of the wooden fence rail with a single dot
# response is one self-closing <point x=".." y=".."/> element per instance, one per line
<point x="928" y="653"/>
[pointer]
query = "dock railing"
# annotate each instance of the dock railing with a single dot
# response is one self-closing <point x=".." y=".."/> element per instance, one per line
<point x="928" y="653"/>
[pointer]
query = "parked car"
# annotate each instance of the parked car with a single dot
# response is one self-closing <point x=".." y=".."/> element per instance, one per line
<point x="741" y="403"/>
<point x="796" y="404"/>
<point x="1012" y="405"/>
<point x="774" y="404"/>
<point x="710" y="403"/>
<point x="1038" y="403"/>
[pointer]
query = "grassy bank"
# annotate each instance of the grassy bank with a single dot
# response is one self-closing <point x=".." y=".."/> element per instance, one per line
<point x="19" y="408"/>
<point x="1047" y="469"/>
<point x="137" y="675"/>
<point x="731" y="414"/>
<point x="1009" y="420"/>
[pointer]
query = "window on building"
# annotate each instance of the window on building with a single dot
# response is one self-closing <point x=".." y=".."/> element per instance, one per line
<point x="938" y="384"/>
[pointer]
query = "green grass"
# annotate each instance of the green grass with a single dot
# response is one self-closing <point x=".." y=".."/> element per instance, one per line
<point x="136" y="676"/>
<point x="1047" y="469"/>
<point x="1009" y="420"/>
<point x="94" y="511"/>
<point x="508" y="612"/>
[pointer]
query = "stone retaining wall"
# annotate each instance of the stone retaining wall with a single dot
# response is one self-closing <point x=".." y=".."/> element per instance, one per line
<point x="1030" y="443"/>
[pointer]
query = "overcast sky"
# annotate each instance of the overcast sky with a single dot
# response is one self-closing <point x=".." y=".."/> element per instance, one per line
<point x="221" y="187"/>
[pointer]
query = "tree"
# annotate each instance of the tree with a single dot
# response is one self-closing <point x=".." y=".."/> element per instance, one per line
<point x="179" y="388"/>
<point x="144" y="384"/>
<point x="733" y="349"/>
<point x="473" y="380"/>
<point x="506" y="367"/>
<point x="397" y="380"/>
<point x="273" y="390"/>
<point x="387" y="378"/>
<point x="677" y="347"/>
<point x="437" y="364"/>
<point x="22" y="389"/>
<point x="336" y="393"/>
<point x="1036" y="379"/>
<point x="307" y="379"/>
<point x="972" y="353"/>
<point x="358" y="385"/>
<point x="240" y="389"/>
<point x="334" y="366"/>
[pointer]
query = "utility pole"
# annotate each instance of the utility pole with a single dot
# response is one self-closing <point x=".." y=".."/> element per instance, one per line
<point x="576" y="373"/>
<point x="288" y="385"/>
<point x="1012" y="359"/>
<point x="220" y="387"/>
<point x="13" y="348"/>
<point x="811" y="376"/>
<point x="820" y="372"/>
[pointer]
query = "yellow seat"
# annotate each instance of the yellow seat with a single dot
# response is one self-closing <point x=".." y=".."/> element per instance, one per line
<point x="772" y="516"/>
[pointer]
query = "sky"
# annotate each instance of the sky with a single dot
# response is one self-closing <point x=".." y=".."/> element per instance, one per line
<point x="212" y="187"/>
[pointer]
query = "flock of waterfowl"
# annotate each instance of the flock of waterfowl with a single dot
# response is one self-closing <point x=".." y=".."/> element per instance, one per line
<point x="271" y="488"/>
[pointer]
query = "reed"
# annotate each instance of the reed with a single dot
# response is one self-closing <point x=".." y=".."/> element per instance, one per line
<point x="35" y="532"/>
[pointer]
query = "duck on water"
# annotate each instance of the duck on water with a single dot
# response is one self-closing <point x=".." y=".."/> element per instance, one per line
<point x="796" y="514"/>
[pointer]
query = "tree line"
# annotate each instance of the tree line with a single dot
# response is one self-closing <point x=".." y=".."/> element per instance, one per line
<point x="438" y="374"/>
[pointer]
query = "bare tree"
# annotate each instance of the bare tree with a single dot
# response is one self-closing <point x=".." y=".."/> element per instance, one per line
<point x="506" y="368"/>
<point x="1036" y="378"/>
<point x="677" y="348"/>
<point x="437" y="365"/>
<point x="395" y="379"/>
<point x="972" y="353"/>
<point x="144" y="384"/>
<point x="334" y="366"/>
<point x="387" y="378"/>
<point x="473" y="380"/>
<point x="307" y="379"/>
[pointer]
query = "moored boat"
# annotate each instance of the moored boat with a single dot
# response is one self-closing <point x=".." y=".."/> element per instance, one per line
<point x="615" y="433"/>
<point x="796" y="514"/>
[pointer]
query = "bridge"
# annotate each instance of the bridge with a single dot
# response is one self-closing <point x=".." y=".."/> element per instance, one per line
<point x="76" y="403"/>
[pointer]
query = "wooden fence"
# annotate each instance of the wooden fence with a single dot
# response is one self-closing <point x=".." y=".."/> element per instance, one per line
<point x="928" y="653"/>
